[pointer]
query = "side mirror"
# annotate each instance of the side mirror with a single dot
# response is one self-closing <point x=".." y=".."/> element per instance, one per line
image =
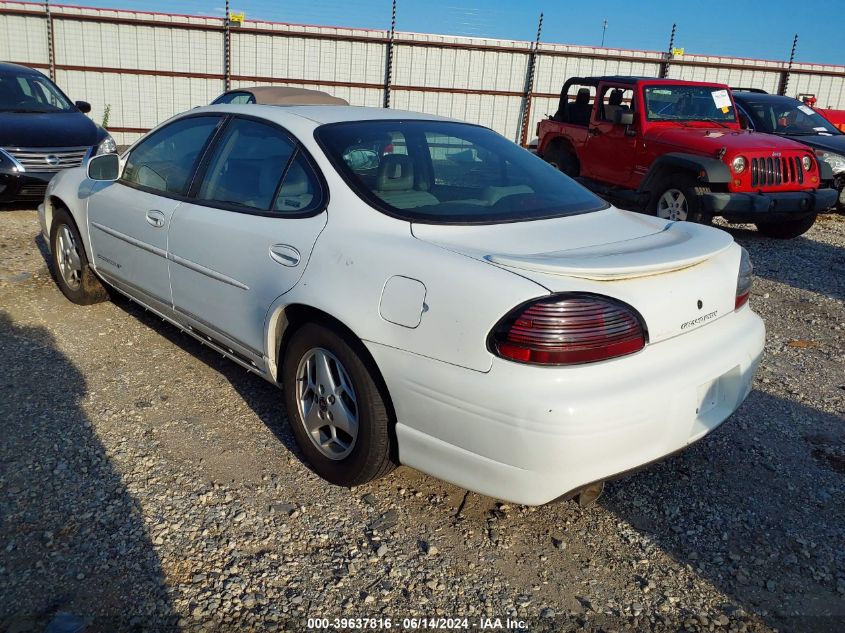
<point x="105" y="167"/>
<point x="83" y="106"/>
<point x="623" y="117"/>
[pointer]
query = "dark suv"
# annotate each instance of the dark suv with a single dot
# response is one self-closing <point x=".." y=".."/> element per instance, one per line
<point x="785" y="116"/>
<point x="41" y="133"/>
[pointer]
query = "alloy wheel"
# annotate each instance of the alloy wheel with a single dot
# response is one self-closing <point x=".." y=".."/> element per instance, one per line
<point x="327" y="404"/>
<point x="67" y="257"/>
<point x="672" y="205"/>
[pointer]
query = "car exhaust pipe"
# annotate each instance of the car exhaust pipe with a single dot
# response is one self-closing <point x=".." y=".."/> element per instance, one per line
<point x="588" y="495"/>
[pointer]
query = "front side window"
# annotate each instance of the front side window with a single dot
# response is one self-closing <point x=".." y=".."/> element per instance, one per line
<point x="165" y="160"/>
<point x="31" y="93"/>
<point x="688" y="103"/>
<point x="444" y="172"/>
<point x="257" y="167"/>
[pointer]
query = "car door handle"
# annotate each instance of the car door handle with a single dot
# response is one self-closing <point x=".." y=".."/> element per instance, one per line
<point x="594" y="131"/>
<point x="155" y="218"/>
<point x="284" y="254"/>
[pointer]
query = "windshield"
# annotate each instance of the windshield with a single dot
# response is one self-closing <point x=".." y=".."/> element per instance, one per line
<point x="789" y="117"/>
<point x="689" y="103"/>
<point x="444" y="172"/>
<point x="24" y="92"/>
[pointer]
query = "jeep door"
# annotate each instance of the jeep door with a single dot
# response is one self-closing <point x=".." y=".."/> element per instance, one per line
<point x="246" y="236"/>
<point x="129" y="219"/>
<point x="610" y="150"/>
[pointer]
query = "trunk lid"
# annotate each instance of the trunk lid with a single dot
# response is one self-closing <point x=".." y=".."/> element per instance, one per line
<point x="679" y="276"/>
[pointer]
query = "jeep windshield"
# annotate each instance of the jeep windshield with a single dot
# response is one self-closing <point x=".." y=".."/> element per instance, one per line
<point x="26" y="92"/>
<point x="788" y="117"/>
<point x="449" y="173"/>
<point x="689" y="103"/>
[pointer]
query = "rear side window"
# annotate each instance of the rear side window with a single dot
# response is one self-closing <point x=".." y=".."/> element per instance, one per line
<point x="165" y="160"/>
<point x="257" y="168"/>
<point x="235" y="98"/>
<point x="446" y="172"/>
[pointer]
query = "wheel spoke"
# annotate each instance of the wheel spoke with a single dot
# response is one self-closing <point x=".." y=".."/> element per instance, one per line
<point x="343" y="417"/>
<point x="324" y="375"/>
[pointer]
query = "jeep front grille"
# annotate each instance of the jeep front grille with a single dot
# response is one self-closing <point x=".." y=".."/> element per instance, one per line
<point x="773" y="171"/>
<point x="50" y="160"/>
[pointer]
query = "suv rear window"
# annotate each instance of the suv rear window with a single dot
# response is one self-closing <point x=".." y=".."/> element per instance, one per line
<point x="445" y="172"/>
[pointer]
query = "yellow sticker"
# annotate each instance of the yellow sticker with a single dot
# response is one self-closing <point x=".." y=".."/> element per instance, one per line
<point x="725" y="110"/>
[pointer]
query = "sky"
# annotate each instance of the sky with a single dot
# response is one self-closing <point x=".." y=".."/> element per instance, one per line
<point x="742" y="28"/>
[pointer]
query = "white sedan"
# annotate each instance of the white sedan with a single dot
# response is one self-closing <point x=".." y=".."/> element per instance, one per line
<point x="424" y="291"/>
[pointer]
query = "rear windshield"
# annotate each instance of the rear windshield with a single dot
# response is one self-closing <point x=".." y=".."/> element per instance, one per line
<point x="444" y="172"/>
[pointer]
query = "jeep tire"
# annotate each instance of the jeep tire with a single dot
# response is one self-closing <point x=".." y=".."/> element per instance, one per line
<point x="563" y="159"/>
<point x="788" y="229"/>
<point x="677" y="197"/>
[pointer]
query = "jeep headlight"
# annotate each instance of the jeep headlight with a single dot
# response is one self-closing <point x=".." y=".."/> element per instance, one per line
<point x="739" y="164"/>
<point x="836" y="161"/>
<point x="806" y="163"/>
<point x="107" y="146"/>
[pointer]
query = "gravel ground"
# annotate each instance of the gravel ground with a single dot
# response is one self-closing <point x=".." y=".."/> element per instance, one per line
<point x="146" y="484"/>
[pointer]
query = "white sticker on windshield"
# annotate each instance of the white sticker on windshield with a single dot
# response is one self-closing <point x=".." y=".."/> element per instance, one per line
<point x="721" y="98"/>
<point x="806" y="109"/>
<point x="820" y="129"/>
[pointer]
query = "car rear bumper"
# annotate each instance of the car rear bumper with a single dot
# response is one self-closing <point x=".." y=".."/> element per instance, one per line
<point x="531" y="434"/>
<point x="17" y="187"/>
<point x="756" y="207"/>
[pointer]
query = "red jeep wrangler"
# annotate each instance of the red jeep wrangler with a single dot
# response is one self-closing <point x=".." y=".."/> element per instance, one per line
<point x="676" y="149"/>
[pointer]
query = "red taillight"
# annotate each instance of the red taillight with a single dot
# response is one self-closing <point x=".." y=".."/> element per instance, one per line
<point x="567" y="330"/>
<point x="743" y="279"/>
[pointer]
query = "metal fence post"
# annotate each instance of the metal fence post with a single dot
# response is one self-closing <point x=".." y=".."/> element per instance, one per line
<point x="784" y="76"/>
<point x="227" y="51"/>
<point x="525" y="111"/>
<point x="388" y="60"/>
<point x="51" y="42"/>
<point x="664" y="67"/>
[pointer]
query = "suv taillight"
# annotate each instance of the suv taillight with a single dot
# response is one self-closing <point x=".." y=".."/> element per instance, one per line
<point x="567" y="330"/>
<point x="743" y="280"/>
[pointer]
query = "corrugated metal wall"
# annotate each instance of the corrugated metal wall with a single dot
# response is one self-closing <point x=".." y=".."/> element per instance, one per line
<point x="148" y="67"/>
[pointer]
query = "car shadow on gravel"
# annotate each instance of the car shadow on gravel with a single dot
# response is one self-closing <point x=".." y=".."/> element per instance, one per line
<point x="756" y="510"/>
<point x="263" y="398"/>
<point x="802" y="262"/>
<point x="73" y="537"/>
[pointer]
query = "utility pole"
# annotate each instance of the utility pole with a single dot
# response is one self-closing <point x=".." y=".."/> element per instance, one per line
<point x="603" y="31"/>
<point x="664" y="67"/>
<point x="388" y="61"/>
<point x="525" y="110"/>
<point x="784" y="77"/>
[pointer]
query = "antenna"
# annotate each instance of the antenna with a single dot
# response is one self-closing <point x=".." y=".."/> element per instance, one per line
<point x="603" y="31"/>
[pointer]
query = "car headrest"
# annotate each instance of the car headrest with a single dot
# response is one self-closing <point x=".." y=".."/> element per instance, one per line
<point x="615" y="97"/>
<point x="583" y="96"/>
<point x="395" y="173"/>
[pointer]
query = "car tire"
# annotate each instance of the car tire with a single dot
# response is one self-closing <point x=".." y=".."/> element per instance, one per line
<point x="564" y="160"/>
<point x="678" y="198"/>
<point x="71" y="269"/>
<point x="786" y="230"/>
<point x="337" y="406"/>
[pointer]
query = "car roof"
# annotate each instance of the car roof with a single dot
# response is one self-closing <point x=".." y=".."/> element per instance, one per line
<point x="17" y="68"/>
<point x="632" y="80"/>
<point x="322" y="114"/>
<point x="761" y="97"/>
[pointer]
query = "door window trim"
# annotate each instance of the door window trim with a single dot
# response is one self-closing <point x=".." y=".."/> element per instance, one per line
<point x="298" y="149"/>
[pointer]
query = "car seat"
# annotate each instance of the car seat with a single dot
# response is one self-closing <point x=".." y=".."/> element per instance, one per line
<point x="296" y="193"/>
<point x="614" y="104"/>
<point x="579" y="111"/>
<point x="395" y="183"/>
